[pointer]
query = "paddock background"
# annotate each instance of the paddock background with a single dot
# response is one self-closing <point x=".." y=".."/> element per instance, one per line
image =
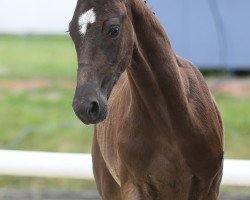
<point x="213" y="34"/>
<point x="37" y="80"/>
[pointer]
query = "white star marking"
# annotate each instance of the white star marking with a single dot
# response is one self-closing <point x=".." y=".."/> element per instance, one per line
<point x="86" y="18"/>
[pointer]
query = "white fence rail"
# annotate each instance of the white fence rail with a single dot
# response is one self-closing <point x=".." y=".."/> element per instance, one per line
<point x="79" y="166"/>
<point x="43" y="164"/>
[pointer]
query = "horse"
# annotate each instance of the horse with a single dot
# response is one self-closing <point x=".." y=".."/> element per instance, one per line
<point x="158" y="132"/>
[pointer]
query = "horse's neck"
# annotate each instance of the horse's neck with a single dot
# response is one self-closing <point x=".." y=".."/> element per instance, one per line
<point x="154" y="71"/>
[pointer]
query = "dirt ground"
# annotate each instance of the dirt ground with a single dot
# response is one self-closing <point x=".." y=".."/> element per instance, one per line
<point x="48" y="195"/>
<point x="81" y="195"/>
<point x="231" y="85"/>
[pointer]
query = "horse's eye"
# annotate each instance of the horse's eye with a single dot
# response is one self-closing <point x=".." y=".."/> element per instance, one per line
<point x="114" y="31"/>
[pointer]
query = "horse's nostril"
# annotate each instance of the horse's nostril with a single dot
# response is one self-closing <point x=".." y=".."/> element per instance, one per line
<point x="90" y="111"/>
<point x="94" y="108"/>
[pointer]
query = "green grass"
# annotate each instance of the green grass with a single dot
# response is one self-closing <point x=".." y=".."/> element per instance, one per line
<point x="34" y="57"/>
<point x="47" y="120"/>
<point x="236" y="116"/>
<point x="44" y="115"/>
<point x="42" y="119"/>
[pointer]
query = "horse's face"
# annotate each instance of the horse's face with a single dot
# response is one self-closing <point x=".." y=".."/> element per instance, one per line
<point x="103" y="36"/>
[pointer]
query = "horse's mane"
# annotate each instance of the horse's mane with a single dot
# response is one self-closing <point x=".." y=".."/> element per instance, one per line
<point x="140" y="7"/>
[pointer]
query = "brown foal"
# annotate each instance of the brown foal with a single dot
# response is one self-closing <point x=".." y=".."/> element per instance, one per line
<point x="158" y="132"/>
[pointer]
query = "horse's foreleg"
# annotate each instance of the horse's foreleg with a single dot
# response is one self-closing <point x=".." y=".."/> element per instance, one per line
<point x="130" y="192"/>
<point x="139" y="190"/>
<point x="106" y="185"/>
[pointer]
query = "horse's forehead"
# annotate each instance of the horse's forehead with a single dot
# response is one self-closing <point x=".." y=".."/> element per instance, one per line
<point x="88" y="12"/>
<point x="101" y="6"/>
<point x="86" y="18"/>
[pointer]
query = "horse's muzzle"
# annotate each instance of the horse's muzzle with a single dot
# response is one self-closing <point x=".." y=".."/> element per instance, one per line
<point x="90" y="108"/>
<point x="90" y="111"/>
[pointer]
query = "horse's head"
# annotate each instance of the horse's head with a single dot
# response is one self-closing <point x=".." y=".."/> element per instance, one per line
<point x="103" y="36"/>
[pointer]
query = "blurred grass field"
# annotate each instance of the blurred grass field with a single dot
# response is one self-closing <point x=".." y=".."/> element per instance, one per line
<point x="37" y="80"/>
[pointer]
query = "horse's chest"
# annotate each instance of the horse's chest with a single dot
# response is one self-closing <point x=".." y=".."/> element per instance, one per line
<point x="145" y="149"/>
<point x="137" y="150"/>
<point x="144" y="154"/>
<point x="155" y="161"/>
